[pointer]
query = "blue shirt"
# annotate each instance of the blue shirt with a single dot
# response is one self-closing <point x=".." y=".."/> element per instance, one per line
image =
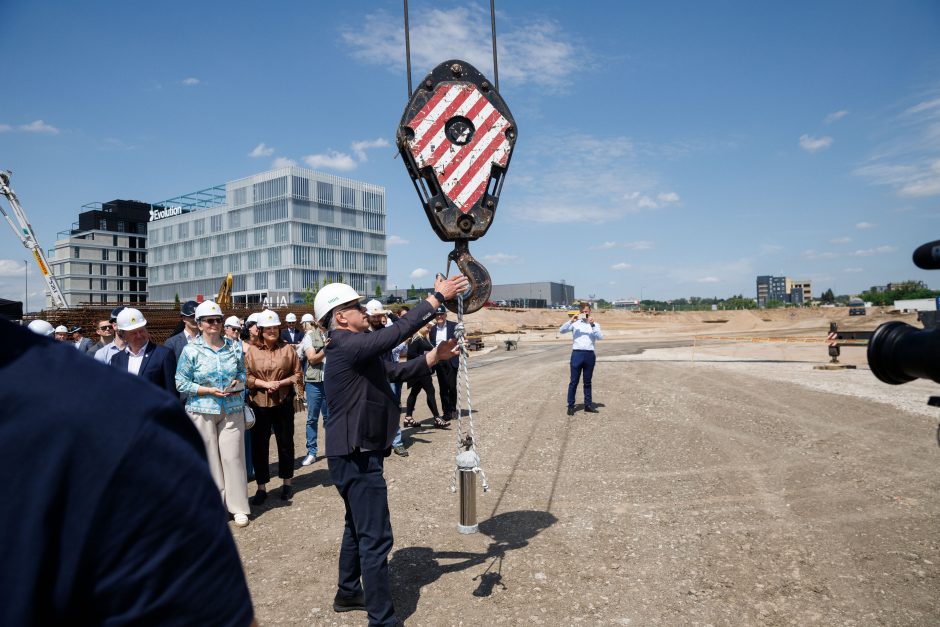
<point x="584" y="334"/>
<point x="199" y="365"/>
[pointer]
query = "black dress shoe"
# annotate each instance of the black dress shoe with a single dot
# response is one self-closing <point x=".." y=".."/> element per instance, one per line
<point x="259" y="497"/>
<point x="571" y="411"/>
<point x="591" y="409"/>
<point x="286" y="492"/>
<point x="348" y="604"/>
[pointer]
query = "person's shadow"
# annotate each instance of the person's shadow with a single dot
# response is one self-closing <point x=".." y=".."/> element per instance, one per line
<point x="412" y="568"/>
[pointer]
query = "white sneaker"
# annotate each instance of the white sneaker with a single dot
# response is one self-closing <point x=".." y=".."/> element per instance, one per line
<point x="309" y="459"/>
<point x="241" y="520"/>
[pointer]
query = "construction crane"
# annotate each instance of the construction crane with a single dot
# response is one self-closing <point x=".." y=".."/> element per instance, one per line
<point x="24" y="230"/>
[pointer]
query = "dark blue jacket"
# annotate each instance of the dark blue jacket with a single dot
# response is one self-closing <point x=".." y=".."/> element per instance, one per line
<point x="363" y="410"/>
<point x="451" y="328"/>
<point x="158" y="366"/>
<point x="292" y="338"/>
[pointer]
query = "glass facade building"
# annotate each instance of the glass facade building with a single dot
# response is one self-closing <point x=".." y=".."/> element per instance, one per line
<point x="281" y="234"/>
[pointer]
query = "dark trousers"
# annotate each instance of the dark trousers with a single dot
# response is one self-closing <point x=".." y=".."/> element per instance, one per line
<point x="367" y="538"/>
<point x="280" y="419"/>
<point x="581" y="362"/>
<point x="424" y="383"/>
<point x="447" y="382"/>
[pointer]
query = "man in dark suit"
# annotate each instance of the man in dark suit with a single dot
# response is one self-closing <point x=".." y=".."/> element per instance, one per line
<point x="442" y="331"/>
<point x="141" y="356"/>
<point x="292" y="335"/>
<point x="190" y="330"/>
<point x="82" y="343"/>
<point x="362" y="421"/>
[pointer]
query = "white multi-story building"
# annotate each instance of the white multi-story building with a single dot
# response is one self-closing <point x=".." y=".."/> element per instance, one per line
<point x="281" y="234"/>
<point x="103" y="258"/>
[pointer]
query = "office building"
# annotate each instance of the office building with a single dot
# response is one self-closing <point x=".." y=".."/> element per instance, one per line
<point x="103" y="257"/>
<point x="783" y="290"/>
<point x="543" y="294"/>
<point x="281" y="234"/>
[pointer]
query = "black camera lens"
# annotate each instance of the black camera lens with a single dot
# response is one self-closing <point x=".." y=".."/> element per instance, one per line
<point x="898" y="353"/>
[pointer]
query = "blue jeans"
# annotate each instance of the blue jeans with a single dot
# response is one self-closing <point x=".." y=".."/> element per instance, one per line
<point x="316" y="401"/>
<point x="581" y="362"/>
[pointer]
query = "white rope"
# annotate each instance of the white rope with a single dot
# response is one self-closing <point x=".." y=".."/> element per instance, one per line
<point x="467" y="457"/>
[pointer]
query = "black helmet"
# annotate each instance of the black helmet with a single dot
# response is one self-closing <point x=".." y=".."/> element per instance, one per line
<point x="115" y="312"/>
<point x="441" y="309"/>
<point x="75" y="329"/>
<point x="189" y="309"/>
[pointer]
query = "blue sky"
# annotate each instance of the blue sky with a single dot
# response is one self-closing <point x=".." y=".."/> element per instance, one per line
<point x="670" y="149"/>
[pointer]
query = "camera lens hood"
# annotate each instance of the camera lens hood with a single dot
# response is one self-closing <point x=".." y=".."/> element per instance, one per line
<point x="899" y="353"/>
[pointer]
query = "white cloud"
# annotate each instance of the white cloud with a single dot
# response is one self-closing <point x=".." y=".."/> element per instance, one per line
<point x="635" y="245"/>
<point x="853" y="270"/>
<point x="283" y="162"/>
<point x="668" y="197"/>
<point x="501" y="259"/>
<point x="814" y="144"/>
<point x="39" y="127"/>
<point x="5" y="127"/>
<point x="394" y="240"/>
<point x="835" y="116"/>
<point x="12" y="268"/>
<point x="261" y="151"/>
<point x="548" y="185"/>
<point x="840" y="240"/>
<point x="735" y="272"/>
<point x="862" y="252"/>
<point x="709" y="279"/>
<point x="418" y="273"/>
<point x="621" y="266"/>
<point x="926" y="184"/>
<point x="359" y="148"/>
<point x="864" y="225"/>
<point x="604" y="246"/>
<point x="769" y="249"/>
<point x="923" y="106"/>
<point x="332" y="160"/>
<point x="532" y="51"/>
<point x="191" y="81"/>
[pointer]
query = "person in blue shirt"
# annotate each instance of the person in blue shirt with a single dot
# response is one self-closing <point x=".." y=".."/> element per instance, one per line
<point x="586" y="332"/>
<point x="107" y="536"/>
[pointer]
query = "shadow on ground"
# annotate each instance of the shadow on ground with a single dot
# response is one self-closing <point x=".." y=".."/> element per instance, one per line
<point x="412" y="568"/>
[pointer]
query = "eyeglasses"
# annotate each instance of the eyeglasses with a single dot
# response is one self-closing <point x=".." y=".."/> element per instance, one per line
<point x="212" y="320"/>
<point x="105" y="327"/>
<point x="355" y="307"/>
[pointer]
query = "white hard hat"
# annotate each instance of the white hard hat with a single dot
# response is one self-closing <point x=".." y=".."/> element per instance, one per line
<point x="374" y="307"/>
<point x="290" y="318"/>
<point x="130" y="319"/>
<point x="330" y="296"/>
<point x="268" y="318"/>
<point x="61" y="329"/>
<point x="207" y="308"/>
<point x="41" y="327"/>
<point x="252" y="318"/>
<point x="306" y="318"/>
<point x="233" y="321"/>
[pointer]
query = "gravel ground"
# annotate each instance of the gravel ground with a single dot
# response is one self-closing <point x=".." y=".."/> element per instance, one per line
<point x="739" y="488"/>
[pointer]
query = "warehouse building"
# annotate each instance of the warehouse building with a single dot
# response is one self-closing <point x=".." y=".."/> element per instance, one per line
<point x="535" y="295"/>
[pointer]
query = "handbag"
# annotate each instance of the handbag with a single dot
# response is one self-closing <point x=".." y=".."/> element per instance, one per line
<point x="300" y="405"/>
<point x="249" y="417"/>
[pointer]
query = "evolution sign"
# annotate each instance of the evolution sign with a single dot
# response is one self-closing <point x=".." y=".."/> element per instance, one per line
<point x="169" y="212"/>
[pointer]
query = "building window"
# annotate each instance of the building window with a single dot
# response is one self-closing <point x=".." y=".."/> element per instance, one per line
<point x="325" y="214"/>
<point x="154" y="238"/>
<point x="234" y="263"/>
<point x="120" y="285"/>
<point x="240" y="196"/>
<point x="103" y="285"/>
<point x="122" y="226"/>
<point x="274" y="257"/>
<point x="301" y="255"/>
<point x="270" y="210"/>
<point x="325" y="192"/>
<point x="102" y="225"/>
<point x="355" y="239"/>
<point x="334" y="237"/>
<point x="188" y="250"/>
<point x="308" y="233"/>
<point x="204" y="246"/>
<point x="133" y="271"/>
<point x="167" y="273"/>
<point x="199" y="227"/>
<point x="373" y="221"/>
<point x="184" y="270"/>
<point x="370" y="263"/>
<point x="168" y="234"/>
<point x="114" y="241"/>
<point x="234" y="219"/>
<point x="133" y="288"/>
<point x="347" y="197"/>
<point x="372" y="202"/>
<point x="349" y="260"/>
<point x="182" y="230"/>
<point x="215" y="222"/>
<point x="265" y="190"/>
<point x="120" y="255"/>
<point x="241" y="240"/>
<point x="132" y="256"/>
<point x="104" y="255"/>
<point x="120" y="270"/>
<point x="217" y="265"/>
<point x="143" y="288"/>
<point x="142" y="258"/>
<point x="260" y="236"/>
<point x="349" y="217"/>
<point x="282" y="279"/>
<point x="76" y="252"/>
<point x="261" y="280"/>
<point x="141" y="228"/>
<point x="253" y="260"/>
<point x="91" y="269"/>
<point x="326" y="258"/>
<point x="103" y="269"/>
<point x="280" y="233"/>
<point x="301" y="187"/>
<point x="200" y="268"/>
<point x="301" y="210"/>
<point x="309" y="278"/>
<point x="377" y="243"/>
<point x="142" y="272"/>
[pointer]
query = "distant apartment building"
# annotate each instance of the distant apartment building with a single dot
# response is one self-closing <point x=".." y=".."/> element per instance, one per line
<point x="783" y="290"/>
<point x="538" y="294"/>
<point x="280" y="233"/>
<point x="103" y="257"/>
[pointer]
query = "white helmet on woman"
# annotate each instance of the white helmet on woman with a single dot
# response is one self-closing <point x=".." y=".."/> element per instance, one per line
<point x="330" y="296"/>
<point x="208" y="308"/>
<point x="41" y="327"/>
<point x="268" y="318"/>
<point x="307" y="318"/>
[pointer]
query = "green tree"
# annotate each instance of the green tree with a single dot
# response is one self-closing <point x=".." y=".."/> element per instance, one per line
<point x="774" y="304"/>
<point x="828" y="297"/>
<point x="378" y="291"/>
<point x="176" y="300"/>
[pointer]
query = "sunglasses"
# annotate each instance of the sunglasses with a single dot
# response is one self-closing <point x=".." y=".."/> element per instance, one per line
<point x="355" y="307"/>
<point x="105" y="327"/>
<point x="212" y="320"/>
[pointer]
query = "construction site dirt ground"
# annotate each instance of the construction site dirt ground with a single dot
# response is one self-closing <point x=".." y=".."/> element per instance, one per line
<point x="722" y="483"/>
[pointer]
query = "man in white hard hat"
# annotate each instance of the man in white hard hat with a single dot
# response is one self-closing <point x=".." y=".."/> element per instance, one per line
<point x="142" y="357"/>
<point x="291" y="335"/>
<point x="233" y="328"/>
<point x="61" y="333"/>
<point x="363" y="418"/>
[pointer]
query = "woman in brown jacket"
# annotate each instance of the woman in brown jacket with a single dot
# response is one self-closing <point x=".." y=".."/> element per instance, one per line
<point x="272" y="370"/>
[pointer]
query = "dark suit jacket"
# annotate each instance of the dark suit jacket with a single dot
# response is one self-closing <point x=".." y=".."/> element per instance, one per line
<point x="451" y="326"/>
<point x="158" y="366"/>
<point x="292" y="338"/>
<point x="364" y="412"/>
<point x="86" y="346"/>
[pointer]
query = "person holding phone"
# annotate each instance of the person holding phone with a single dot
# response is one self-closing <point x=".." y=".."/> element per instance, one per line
<point x="211" y="375"/>
<point x="586" y="332"/>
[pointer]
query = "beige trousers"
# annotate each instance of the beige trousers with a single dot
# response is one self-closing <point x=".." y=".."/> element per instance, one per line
<point x="224" y="438"/>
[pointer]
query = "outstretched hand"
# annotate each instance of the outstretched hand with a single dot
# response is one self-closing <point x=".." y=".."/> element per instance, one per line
<point x="452" y="286"/>
<point x="444" y="350"/>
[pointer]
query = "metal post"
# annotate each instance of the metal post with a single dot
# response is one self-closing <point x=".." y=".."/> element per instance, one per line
<point x="468" y="502"/>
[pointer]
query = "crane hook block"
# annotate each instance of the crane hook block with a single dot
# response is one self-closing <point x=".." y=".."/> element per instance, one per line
<point x="456" y="138"/>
